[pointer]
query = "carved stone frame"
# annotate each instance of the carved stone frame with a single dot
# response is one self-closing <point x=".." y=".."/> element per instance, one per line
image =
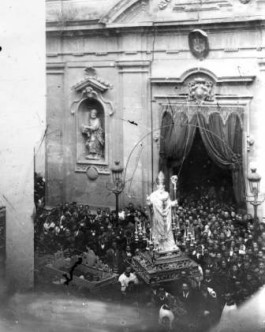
<point x="240" y="102"/>
<point x="91" y="89"/>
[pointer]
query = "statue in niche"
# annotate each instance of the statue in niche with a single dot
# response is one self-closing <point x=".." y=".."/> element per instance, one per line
<point x="94" y="134"/>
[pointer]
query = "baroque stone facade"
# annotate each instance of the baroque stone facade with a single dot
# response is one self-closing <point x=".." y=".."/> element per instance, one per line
<point x="139" y="57"/>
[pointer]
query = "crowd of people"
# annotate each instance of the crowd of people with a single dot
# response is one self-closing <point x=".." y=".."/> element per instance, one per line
<point x="226" y="243"/>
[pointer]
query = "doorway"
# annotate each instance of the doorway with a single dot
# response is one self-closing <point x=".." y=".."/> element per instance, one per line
<point x="199" y="175"/>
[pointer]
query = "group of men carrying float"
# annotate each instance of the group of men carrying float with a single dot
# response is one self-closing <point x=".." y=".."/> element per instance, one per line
<point x="167" y="261"/>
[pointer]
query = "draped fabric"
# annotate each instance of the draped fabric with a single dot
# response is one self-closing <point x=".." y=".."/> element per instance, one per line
<point x="223" y="143"/>
<point x="176" y="140"/>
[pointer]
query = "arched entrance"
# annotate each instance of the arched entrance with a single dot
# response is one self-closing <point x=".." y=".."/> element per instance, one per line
<point x="221" y="134"/>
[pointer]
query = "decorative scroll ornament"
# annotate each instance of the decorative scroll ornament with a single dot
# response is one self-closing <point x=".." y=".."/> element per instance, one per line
<point x="92" y="87"/>
<point x="163" y="4"/>
<point x="198" y="42"/>
<point x="250" y="142"/>
<point x="200" y="90"/>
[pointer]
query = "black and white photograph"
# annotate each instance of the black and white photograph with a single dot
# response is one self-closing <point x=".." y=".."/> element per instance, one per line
<point x="132" y="191"/>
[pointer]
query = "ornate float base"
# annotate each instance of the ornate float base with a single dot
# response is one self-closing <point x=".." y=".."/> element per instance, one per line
<point x="164" y="267"/>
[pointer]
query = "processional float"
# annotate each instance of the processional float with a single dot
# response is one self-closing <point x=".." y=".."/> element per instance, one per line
<point x="163" y="259"/>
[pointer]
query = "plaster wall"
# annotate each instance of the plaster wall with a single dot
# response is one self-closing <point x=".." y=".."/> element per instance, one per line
<point x="130" y="60"/>
<point x="22" y="99"/>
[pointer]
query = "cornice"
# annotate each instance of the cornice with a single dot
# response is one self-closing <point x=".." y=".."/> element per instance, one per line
<point x="219" y="81"/>
<point x="83" y="28"/>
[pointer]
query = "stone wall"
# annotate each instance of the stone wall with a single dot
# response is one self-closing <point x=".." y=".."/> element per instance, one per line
<point x="146" y="65"/>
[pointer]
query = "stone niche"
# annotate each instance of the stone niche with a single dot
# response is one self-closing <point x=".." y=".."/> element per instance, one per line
<point x="91" y="138"/>
<point x="92" y="112"/>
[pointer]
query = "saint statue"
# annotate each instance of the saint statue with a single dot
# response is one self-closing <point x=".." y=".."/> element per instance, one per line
<point x="161" y="227"/>
<point x="95" y="136"/>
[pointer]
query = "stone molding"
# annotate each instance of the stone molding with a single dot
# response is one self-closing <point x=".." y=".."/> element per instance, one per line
<point x="124" y="9"/>
<point x="243" y="79"/>
<point x="137" y="66"/>
<point x="231" y="23"/>
<point x="83" y="167"/>
<point x="147" y="52"/>
<point x="55" y="68"/>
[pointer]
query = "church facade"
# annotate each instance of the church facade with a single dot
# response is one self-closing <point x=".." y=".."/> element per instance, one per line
<point x="117" y="69"/>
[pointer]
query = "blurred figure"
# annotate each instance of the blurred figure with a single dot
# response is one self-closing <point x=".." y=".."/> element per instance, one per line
<point x="127" y="277"/>
<point x="166" y="318"/>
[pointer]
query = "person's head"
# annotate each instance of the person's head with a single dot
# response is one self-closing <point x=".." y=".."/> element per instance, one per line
<point x="222" y="236"/>
<point x="255" y="245"/>
<point x="114" y="245"/>
<point x="127" y="271"/>
<point x="255" y="251"/>
<point x="260" y="254"/>
<point x="153" y="283"/>
<point x="223" y="264"/>
<point x="228" y="296"/>
<point x="248" y="277"/>
<point x="241" y="258"/>
<point x="161" y="291"/>
<point x="165" y="321"/>
<point x="93" y="113"/>
<point x="261" y="266"/>
<point x="249" y="251"/>
<point x="207" y="273"/>
<point x="246" y="265"/>
<point x="234" y="268"/>
<point x="185" y="287"/>
<point x="204" y="291"/>
<point x="238" y="285"/>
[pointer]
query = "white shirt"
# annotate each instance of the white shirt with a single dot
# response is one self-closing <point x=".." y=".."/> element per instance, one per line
<point x="124" y="280"/>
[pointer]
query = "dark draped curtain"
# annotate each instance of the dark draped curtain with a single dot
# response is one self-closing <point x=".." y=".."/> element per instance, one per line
<point x="223" y="144"/>
<point x="176" y="138"/>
